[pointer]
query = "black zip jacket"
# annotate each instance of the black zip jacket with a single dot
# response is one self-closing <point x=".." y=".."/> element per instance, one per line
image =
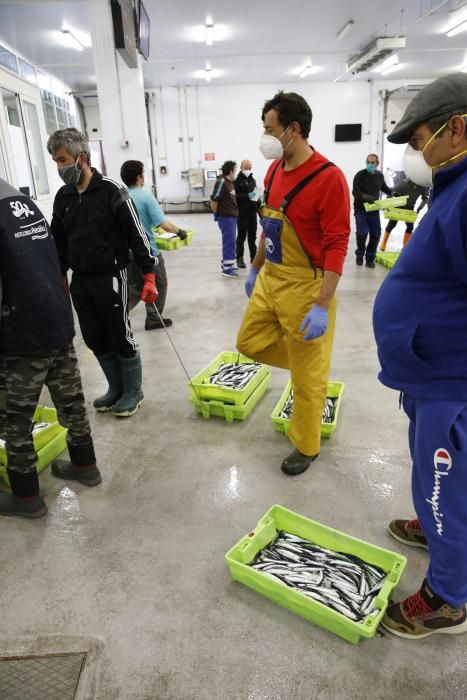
<point x="95" y="229"/>
<point x="407" y="187"/>
<point x="367" y="188"/>
<point x="36" y="316"/>
<point x="243" y="186"/>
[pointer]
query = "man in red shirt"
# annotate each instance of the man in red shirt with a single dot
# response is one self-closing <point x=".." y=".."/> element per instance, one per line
<point x="289" y="322"/>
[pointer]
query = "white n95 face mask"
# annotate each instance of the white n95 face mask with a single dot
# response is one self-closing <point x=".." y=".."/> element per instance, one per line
<point x="416" y="168"/>
<point x="270" y="147"/>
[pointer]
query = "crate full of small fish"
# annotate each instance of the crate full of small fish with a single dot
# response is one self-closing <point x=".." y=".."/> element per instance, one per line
<point x="230" y="378"/>
<point x="49" y="439"/>
<point x="332" y="579"/>
<point x="282" y="412"/>
<point x="230" y="411"/>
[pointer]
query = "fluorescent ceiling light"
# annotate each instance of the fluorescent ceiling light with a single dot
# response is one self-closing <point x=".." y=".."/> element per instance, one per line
<point x="462" y="27"/>
<point x="307" y="68"/>
<point x="207" y="73"/>
<point x="69" y="40"/>
<point x="345" y="29"/>
<point x="209" y="31"/>
<point x="387" y="63"/>
<point x="374" y="53"/>
<point x="392" y="68"/>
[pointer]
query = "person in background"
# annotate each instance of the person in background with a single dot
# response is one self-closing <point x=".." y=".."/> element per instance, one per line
<point x="367" y="187"/>
<point x="224" y="206"/>
<point x="413" y="191"/>
<point x="36" y="349"/>
<point x="289" y="322"/>
<point x="151" y="215"/>
<point x="95" y="225"/>
<point x="419" y="322"/>
<point x="247" y="202"/>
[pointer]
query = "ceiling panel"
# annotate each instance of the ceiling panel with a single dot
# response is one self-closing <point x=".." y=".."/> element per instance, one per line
<point x="261" y="41"/>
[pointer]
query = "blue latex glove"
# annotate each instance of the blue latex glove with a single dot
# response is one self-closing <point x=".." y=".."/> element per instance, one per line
<point x="250" y="281"/>
<point x="252" y="195"/>
<point x="315" y="323"/>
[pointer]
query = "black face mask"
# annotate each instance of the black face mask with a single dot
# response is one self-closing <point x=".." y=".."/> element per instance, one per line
<point x="70" y="174"/>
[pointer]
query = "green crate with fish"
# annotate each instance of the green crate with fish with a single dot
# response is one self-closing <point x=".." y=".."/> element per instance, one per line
<point x="387" y="258"/>
<point x="232" y="412"/>
<point x="408" y="215"/>
<point x="230" y="378"/>
<point x="171" y="241"/>
<point x="49" y="439"/>
<point x="388" y="203"/>
<point x="282" y="412"/>
<point x="327" y="577"/>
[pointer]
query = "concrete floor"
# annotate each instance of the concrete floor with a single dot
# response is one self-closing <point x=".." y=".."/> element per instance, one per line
<point x="138" y="562"/>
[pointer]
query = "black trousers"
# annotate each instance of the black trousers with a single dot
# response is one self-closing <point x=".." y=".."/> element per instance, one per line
<point x="101" y="302"/>
<point x="247" y="223"/>
<point x="392" y="223"/>
<point x="136" y="282"/>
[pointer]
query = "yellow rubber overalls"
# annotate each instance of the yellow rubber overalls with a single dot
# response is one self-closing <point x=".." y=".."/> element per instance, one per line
<point x="286" y="288"/>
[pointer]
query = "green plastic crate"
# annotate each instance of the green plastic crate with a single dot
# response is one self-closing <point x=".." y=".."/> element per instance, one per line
<point x="279" y="518"/>
<point x="211" y="392"/>
<point x="388" y="203"/>
<point x="41" y="414"/>
<point x="45" y="455"/>
<point x="168" y="244"/>
<point x="387" y="258"/>
<point x="189" y="237"/>
<point x="231" y="412"/>
<point x="335" y="389"/>
<point x="408" y="215"/>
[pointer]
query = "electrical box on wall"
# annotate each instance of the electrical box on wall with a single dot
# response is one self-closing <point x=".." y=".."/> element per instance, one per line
<point x="163" y="170"/>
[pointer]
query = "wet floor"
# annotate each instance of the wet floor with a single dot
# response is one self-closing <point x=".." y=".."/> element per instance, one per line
<point x="138" y="562"/>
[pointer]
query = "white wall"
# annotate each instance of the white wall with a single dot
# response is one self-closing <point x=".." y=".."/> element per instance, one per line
<point x="226" y="120"/>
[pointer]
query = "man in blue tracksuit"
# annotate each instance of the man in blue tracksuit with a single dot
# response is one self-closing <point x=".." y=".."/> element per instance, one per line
<point x="420" y="325"/>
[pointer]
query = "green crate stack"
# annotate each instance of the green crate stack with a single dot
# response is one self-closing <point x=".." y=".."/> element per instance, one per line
<point x="334" y="390"/>
<point x="230" y="404"/>
<point x="48" y="443"/>
<point x="278" y="518"/>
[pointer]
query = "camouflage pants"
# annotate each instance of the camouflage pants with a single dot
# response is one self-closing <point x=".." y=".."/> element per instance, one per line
<point x="21" y="382"/>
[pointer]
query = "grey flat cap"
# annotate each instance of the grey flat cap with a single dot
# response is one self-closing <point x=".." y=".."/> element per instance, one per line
<point x="445" y="95"/>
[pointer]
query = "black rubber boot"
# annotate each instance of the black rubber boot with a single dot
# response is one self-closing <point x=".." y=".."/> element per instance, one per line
<point x="132" y="377"/>
<point x="297" y="463"/>
<point x="25" y="501"/>
<point x="81" y="467"/>
<point x="241" y="263"/>
<point x="111" y="368"/>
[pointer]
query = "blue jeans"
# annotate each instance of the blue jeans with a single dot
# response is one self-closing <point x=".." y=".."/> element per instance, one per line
<point x="438" y="446"/>
<point x="228" y="227"/>
<point x="368" y="222"/>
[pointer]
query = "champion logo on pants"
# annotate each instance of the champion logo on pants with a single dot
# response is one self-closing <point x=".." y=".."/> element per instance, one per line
<point x="442" y="462"/>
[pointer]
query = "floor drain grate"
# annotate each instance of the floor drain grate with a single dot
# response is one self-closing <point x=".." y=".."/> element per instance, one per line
<point x="50" y="677"/>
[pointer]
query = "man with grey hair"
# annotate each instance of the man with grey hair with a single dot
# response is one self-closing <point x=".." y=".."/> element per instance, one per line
<point x="95" y="225"/>
<point x="419" y="323"/>
<point x="247" y="202"/>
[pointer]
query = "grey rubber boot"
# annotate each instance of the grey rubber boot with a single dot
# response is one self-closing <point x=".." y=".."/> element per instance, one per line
<point x="111" y="368"/>
<point x="25" y="501"/>
<point x="80" y="467"/>
<point x="132" y="377"/>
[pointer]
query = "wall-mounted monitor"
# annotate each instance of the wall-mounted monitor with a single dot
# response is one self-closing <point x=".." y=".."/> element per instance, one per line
<point x="144" y="31"/>
<point x="211" y="174"/>
<point x="348" y="132"/>
<point x="124" y="31"/>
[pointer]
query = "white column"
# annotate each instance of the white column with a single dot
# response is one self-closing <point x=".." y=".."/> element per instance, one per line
<point x="120" y="93"/>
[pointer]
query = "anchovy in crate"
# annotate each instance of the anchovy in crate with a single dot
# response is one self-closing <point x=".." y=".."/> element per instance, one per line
<point x="343" y="582"/>
<point x="233" y="375"/>
<point x="329" y="412"/>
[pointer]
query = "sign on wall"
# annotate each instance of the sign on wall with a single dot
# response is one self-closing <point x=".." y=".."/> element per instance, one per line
<point x="209" y="156"/>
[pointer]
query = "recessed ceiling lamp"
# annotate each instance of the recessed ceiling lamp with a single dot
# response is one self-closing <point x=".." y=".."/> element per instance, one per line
<point x="462" y="27"/>
<point x="307" y="68"/>
<point x="209" y="27"/>
<point x="345" y="29"/>
<point x="68" y="39"/>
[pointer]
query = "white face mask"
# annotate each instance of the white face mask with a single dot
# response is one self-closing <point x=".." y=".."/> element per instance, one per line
<point x="271" y="147"/>
<point x="247" y="173"/>
<point x="416" y="168"/>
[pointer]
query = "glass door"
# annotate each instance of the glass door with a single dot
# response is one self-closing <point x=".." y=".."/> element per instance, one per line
<point x="18" y="144"/>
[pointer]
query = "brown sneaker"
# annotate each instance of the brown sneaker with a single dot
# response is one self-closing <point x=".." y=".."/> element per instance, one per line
<point x="409" y="532"/>
<point x="422" y="614"/>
